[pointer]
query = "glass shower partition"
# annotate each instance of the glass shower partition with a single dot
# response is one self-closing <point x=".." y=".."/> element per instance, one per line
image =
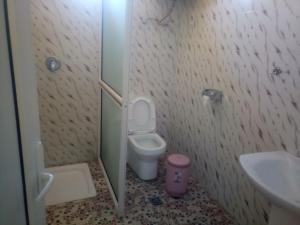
<point x="114" y="88"/>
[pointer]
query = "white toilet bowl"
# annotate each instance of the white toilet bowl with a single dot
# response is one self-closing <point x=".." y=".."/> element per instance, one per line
<point x="144" y="145"/>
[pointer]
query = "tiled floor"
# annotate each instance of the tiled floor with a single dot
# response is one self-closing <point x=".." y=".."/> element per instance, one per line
<point x="194" y="209"/>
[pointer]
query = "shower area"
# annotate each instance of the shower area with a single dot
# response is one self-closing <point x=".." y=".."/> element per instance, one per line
<point x="80" y="52"/>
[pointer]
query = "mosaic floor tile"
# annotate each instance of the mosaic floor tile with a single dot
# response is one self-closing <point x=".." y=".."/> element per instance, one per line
<point x="195" y="208"/>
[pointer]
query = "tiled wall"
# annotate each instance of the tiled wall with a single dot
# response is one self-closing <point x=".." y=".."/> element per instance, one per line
<point x="70" y="31"/>
<point x="152" y="56"/>
<point x="251" y="51"/>
<point x="248" y="49"/>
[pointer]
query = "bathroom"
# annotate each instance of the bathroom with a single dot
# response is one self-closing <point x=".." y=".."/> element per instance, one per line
<point x="217" y="78"/>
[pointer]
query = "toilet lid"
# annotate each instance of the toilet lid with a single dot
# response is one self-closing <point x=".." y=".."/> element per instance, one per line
<point x="141" y="116"/>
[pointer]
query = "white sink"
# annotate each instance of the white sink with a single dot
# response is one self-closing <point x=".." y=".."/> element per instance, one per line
<point x="277" y="176"/>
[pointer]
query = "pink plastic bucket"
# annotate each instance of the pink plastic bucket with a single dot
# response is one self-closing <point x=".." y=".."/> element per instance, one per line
<point x="178" y="172"/>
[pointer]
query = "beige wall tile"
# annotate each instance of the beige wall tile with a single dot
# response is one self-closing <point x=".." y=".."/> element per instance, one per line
<point x="70" y="31"/>
<point x="248" y="49"/>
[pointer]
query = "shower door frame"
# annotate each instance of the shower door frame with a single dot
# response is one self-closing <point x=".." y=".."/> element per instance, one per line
<point x="25" y="85"/>
<point x="122" y="102"/>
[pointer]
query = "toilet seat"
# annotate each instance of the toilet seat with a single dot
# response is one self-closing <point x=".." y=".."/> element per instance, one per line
<point x="148" y="144"/>
<point x="141" y="116"/>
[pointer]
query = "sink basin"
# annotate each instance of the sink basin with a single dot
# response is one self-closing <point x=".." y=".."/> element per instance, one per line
<point x="277" y="176"/>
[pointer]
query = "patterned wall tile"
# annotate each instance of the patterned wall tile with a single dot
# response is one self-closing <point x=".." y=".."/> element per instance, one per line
<point x="248" y="49"/>
<point x="70" y="31"/>
<point x="153" y="55"/>
<point x="252" y="53"/>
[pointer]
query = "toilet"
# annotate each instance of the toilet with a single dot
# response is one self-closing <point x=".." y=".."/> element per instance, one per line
<point x="144" y="145"/>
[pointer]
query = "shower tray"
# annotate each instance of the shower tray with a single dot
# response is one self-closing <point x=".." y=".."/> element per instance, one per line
<point x="71" y="182"/>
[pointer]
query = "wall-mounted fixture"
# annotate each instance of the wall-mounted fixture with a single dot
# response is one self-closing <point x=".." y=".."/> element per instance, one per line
<point x="53" y="64"/>
<point x="214" y="95"/>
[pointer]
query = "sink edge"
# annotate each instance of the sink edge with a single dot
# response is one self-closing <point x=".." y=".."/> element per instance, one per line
<point x="269" y="194"/>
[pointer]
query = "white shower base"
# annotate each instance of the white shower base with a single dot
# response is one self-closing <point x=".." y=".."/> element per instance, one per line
<point x="71" y="182"/>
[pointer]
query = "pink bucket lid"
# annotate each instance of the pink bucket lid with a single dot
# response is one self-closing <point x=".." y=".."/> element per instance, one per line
<point x="179" y="160"/>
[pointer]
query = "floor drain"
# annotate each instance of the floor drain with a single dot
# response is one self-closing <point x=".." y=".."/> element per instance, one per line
<point x="155" y="201"/>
